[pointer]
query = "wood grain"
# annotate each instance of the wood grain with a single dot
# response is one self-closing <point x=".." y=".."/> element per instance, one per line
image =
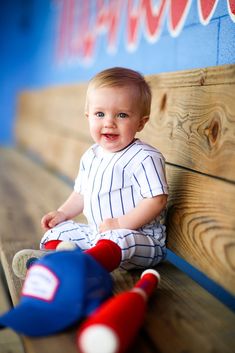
<point x="174" y="323"/>
<point x="195" y="127"/>
<point x="213" y="75"/>
<point x="201" y="223"/>
<point x="51" y="124"/>
<point x="59" y="151"/>
<point x="57" y="107"/>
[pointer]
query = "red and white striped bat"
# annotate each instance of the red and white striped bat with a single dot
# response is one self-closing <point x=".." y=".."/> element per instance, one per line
<point x="115" y="324"/>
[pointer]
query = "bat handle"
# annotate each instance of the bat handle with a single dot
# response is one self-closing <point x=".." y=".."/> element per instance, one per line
<point x="145" y="286"/>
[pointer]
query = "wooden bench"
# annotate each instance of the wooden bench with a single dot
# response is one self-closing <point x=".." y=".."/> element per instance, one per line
<point x="193" y="124"/>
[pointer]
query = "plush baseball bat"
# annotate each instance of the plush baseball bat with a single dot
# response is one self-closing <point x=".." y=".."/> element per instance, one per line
<point x="114" y="325"/>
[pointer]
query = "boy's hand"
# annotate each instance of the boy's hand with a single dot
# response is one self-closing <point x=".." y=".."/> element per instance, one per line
<point x="53" y="218"/>
<point x="109" y="224"/>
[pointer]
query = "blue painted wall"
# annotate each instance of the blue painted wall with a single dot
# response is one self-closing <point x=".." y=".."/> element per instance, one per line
<point x="31" y="31"/>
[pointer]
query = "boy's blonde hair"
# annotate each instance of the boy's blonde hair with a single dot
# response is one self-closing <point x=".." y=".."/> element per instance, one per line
<point x="119" y="77"/>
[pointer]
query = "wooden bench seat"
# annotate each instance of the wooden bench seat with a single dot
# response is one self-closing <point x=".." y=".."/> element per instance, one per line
<point x="192" y="123"/>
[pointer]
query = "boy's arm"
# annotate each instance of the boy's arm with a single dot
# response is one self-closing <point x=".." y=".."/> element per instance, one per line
<point x="71" y="208"/>
<point x="144" y="213"/>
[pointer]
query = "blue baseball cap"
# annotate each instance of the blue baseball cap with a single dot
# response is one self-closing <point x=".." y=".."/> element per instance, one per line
<point x="59" y="289"/>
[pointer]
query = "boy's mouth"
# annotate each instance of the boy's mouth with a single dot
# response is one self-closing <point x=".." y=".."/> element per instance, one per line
<point x="110" y="137"/>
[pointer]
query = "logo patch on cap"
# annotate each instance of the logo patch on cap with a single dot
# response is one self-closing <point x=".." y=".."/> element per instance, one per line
<point x="40" y="283"/>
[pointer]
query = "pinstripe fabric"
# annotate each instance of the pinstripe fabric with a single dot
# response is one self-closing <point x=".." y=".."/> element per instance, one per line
<point x="112" y="184"/>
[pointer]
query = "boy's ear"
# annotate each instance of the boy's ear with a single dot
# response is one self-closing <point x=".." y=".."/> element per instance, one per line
<point x="143" y="121"/>
<point x="86" y="114"/>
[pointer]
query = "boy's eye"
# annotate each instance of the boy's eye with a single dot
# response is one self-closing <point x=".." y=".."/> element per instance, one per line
<point x="99" y="114"/>
<point x="122" y="115"/>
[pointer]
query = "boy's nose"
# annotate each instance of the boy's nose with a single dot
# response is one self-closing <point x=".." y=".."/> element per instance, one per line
<point x="109" y="121"/>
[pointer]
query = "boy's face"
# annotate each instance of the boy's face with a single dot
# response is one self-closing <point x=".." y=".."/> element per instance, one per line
<point x="114" y="116"/>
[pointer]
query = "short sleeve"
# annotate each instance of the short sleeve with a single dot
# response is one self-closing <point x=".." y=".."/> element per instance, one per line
<point x="149" y="177"/>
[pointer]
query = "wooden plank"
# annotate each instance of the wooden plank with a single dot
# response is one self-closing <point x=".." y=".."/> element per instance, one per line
<point x="201" y="223"/>
<point x="58" y="150"/>
<point x="52" y="124"/>
<point x="30" y="188"/>
<point x="190" y="122"/>
<point x="184" y="318"/>
<point x="58" y="107"/>
<point x="33" y="190"/>
<point x="213" y="75"/>
<point x="9" y="341"/>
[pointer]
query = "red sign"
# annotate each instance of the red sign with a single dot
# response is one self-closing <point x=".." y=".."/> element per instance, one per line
<point x="206" y="9"/>
<point x="82" y="23"/>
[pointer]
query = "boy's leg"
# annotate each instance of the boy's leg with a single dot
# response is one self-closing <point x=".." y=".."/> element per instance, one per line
<point x="67" y="231"/>
<point x="106" y="252"/>
<point x="127" y="248"/>
<point x="138" y="250"/>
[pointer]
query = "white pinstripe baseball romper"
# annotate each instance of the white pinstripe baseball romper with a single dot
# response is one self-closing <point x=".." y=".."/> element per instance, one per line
<point x="112" y="184"/>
